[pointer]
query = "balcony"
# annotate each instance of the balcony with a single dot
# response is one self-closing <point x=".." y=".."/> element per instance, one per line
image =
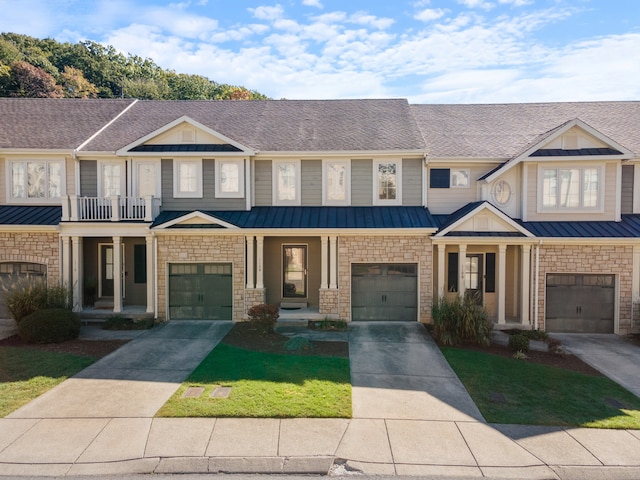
<point x="114" y="208"/>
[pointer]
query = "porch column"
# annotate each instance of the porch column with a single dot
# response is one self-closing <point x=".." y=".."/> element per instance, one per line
<point x="76" y="273"/>
<point x="324" y="262"/>
<point x="333" y="262"/>
<point x="502" y="282"/>
<point x="66" y="262"/>
<point x="151" y="279"/>
<point x="462" y="258"/>
<point x="260" y="262"/>
<point x="249" y="263"/>
<point x="441" y="270"/>
<point x="117" y="274"/>
<point x="525" y="283"/>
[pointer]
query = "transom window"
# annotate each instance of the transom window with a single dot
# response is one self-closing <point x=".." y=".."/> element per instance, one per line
<point x="187" y="178"/>
<point x="336" y="182"/>
<point x="286" y="181"/>
<point x="387" y="175"/>
<point x="570" y="188"/>
<point x="36" y="180"/>
<point x="230" y="178"/>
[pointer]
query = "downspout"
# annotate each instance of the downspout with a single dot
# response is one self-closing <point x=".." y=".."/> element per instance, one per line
<point x="424" y="181"/>
<point x="76" y="171"/>
<point x="155" y="274"/>
<point x="537" y="282"/>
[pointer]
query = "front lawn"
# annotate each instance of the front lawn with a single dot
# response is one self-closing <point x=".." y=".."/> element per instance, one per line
<point x="265" y="384"/>
<point x="26" y="373"/>
<point x="507" y="390"/>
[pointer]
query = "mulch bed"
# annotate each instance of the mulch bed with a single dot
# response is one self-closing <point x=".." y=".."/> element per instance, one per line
<point x="87" y="348"/>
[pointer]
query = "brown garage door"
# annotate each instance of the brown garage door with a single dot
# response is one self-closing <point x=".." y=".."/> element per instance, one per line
<point x="580" y="303"/>
<point x="382" y="291"/>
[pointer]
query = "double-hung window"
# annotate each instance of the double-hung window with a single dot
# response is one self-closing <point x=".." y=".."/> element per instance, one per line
<point x="111" y="179"/>
<point x="566" y="188"/>
<point x="387" y="175"/>
<point x="36" y="180"/>
<point x="229" y="178"/>
<point x="336" y="180"/>
<point x="187" y="178"/>
<point x="286" y="182"/>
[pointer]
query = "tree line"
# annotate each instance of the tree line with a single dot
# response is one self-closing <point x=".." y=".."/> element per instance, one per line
<point x="32" y="67"/>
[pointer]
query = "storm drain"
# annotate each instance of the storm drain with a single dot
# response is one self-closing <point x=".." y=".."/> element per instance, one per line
<point x="221" y="392"/>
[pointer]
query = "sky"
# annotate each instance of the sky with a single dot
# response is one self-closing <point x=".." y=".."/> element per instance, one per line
<point x="429" y="51"/>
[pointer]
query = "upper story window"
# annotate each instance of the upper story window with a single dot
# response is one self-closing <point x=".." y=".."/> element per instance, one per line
<point x="230" y="178"/>
<point x="286" y="181"/>
<point x="110" y="179"/>
<point x="570" y="188"/>
<point x="36" y="180"/>
<point x="147" y="178"/>
<point x="336" y="181"/>
<point x="449" y="178"/>
<point x="387" y="182"/>
<point x="187" y="178"/>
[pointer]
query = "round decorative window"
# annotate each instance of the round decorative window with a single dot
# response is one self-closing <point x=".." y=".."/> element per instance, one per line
<point x="502" y="192"/>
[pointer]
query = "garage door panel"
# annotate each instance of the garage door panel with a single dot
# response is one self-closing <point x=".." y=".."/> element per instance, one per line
<point x="200" y="291"/>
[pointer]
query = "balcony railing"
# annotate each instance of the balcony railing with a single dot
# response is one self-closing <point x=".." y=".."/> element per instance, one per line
<point x="114" y="208"/>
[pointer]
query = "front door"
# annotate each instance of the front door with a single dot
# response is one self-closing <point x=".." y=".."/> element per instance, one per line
<point x="106" y="270"/>
<point x="473" y="277"/>
<point x="294" y="268"/>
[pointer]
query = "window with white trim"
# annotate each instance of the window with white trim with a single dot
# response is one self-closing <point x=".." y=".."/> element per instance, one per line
<point x="336" y="179"/>
<point x="147" y="180"/>
<point x="230" y="178"/>
<point x="460" y="178"/>
<point x="110" y="179"/>
<point x="387" y="177"/>
<point x="286" y="182"/>
<point x="35" y="180"/>
<point x="566" y="188"/>
<point x="187" y="178"/>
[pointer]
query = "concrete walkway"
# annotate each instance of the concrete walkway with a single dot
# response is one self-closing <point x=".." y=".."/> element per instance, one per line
<point x="411" y="417"/>
<point x="613" y="355"/>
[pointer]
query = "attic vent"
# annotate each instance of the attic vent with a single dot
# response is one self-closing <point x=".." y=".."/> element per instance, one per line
<point x="481" y="223"/>
<point x="570" y="142"/>
<point x="188" y="136"/>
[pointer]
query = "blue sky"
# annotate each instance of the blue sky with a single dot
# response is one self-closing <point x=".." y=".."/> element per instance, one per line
<point x="429" y="51"/>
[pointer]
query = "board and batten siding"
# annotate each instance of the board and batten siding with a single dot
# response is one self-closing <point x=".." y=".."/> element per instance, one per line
<point x="262" y="183"/>
<point x="412" y="182"/>
<point x="311" y="182"/>
<point x="447" y="200"/>
<point x="361" y="183"/>
<point x="89" y="178"/>
<point x="608" y="214"/>
<point x="627" y="188"/>
<point x="208" y="200"/>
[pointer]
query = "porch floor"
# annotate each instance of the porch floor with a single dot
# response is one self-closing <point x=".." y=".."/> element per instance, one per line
<point x="92" y="314"/>
<point x="304" y="314"/>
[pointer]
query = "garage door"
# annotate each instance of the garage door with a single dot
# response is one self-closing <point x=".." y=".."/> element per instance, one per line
<point x="580" y="303"/>
<point x="13" y="273"/>
<point x="200" y="291"/>
<point x="384" y="292"/>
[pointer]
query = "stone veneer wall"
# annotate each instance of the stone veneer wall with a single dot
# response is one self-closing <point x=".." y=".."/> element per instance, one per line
<point x="202" y="249"/>
<point x="386" y="249"/>
<point x="604" y="259"/>
<point x="329" y="301"/>
<point x="253" y="296"/>
<point x="43" y="248"/>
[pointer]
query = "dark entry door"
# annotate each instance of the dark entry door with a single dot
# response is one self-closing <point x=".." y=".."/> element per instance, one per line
<point x="294" y="271"/>
<point x="384" y="292"/>
<point x="107" y="270"/>
<point x="473" y="276"/>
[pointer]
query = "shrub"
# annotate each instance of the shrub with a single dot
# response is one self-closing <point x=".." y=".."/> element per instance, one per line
<point x="264" y="316"/>
<point x="118" y="322"/>
<point x="52" y="325"/>
<point x="519" y="343"/>
<point x="27" y="296"/>
<point x="460" y="320"/>
<point x="530" y="334"/>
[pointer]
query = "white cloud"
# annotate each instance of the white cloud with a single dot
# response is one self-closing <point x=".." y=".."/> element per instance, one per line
<point x="312" y="3"/>
<point x="477" y="4"/>
<point x="516" y="3"/>
<point x="267" y="13"/>
<point x="430" y="14"/>
<point x="362" y="18"/>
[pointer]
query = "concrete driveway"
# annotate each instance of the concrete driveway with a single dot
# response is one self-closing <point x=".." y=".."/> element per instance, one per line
<point x="612" y="355"/>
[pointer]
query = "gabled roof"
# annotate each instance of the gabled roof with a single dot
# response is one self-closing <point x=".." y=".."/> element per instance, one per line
<point x="277" y="125"/>
<point x="506" y="130"/>
<point x="308" y="217"/>
<point x="30" y="215"/>
<point x="452" y="225"/>
<point x="54" y="123"/>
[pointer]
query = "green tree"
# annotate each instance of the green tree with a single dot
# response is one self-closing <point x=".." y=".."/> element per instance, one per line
<point x="74" y="84"/>
<point x="34" y="82"/>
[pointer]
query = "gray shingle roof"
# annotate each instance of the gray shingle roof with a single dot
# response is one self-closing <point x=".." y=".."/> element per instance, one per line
<point x="278" y="125"/>
<point x="50" y="123"/>
<point x="505" y="130"/>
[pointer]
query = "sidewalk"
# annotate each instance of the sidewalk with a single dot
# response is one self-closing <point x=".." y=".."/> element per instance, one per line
<point x="419" y="424"/>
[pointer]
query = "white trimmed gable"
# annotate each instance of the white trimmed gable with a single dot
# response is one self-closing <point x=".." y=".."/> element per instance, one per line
<point x="484" y="218"/>
<point x="576" y="138"/>
<point x="196" y="218"/>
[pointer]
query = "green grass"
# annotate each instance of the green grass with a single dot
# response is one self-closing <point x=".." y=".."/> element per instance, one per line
<point x="265" y="385"/>
<point x="542" y="395"/>
<point x="25" y="374"/>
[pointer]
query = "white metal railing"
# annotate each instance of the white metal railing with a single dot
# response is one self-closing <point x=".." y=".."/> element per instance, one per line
<point x="113" y="208"/>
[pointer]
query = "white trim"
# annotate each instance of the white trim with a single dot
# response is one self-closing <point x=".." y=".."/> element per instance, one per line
<point x="486" y="206"/>
<point x="306" y="268"/>
<point x="636" y="188"/>
<point x="206" y="219"/>
<point x="176" y="178"/>
<point x="325" y="182"/>
<point x="123" y="176"/>
<point x="376" y="182"/>
<point x="599" y="208"/>
<point x="135" y="164"/>
<point x="107" y="125"/>
<point x="10" y="161"/>
<point x="239" y="163"/>
<point x="524" y="193"/>
<point x="618" y="191"/>
<point x="297" y="201"/>
<point x="466" y="171"/>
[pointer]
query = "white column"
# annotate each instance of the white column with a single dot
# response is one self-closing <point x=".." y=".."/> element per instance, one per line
<point x="441" y="270"/>
<point x="260" y="262"/>
<point x="324" y="261"/>
<point x="76" y="273"/>
<point x="462" y="257"/>
<point x="73" y="208"/>
<point x="115" y="208"/>
<point x="525" y="284"/>
<point x="117" y="274"/>
<point x="151" y="278"/>
<point x="502" y="282"/>
<point x="66" y="262"/>
<point x="249" y="262"/>
<point x="333" y="262"/>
